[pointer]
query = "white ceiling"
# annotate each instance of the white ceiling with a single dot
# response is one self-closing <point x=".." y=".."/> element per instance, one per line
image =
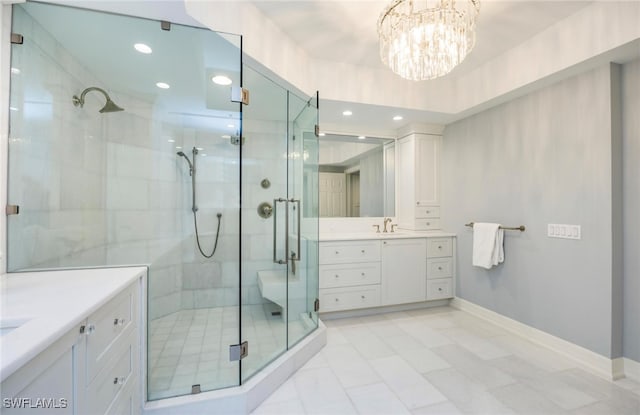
<point x="345" y="31"/>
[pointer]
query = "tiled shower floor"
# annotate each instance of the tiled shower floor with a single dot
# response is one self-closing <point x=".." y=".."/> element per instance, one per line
<point x="191" y="347"/>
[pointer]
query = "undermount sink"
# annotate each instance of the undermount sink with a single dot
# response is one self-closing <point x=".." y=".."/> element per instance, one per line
<point x="7" y="325"/>
<point x="390" y="234"/>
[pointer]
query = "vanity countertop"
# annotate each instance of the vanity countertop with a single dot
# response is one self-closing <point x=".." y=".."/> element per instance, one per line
<point x="37" y="308"/>
<point x="401" y="234"/>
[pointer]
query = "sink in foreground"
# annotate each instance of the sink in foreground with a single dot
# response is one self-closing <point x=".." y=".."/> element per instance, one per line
<point x="10" y="324"/>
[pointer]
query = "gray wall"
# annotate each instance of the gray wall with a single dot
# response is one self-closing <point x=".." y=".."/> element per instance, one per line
<point x="542" y="158"/>
<point x="631" y="207"/>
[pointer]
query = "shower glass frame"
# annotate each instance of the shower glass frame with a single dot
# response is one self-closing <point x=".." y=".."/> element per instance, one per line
<point x="109" y="190"/>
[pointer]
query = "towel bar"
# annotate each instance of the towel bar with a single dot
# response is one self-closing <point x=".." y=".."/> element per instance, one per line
<point x="520" y="228"/>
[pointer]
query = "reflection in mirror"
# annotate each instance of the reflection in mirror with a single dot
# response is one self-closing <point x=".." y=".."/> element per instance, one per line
<point x="356" y="176"/>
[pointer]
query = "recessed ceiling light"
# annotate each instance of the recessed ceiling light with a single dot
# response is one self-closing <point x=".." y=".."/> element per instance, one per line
<point x="347" y="113"/>
<point x="397" y="118"/>
<point x="221" y="80"/>
<point x="15" y="71"/>
<point x="230" y="125"/>
<point x="361" y="137"/>
<point x="162" y="85"/>
<point x="142" y="48"/>
<point x="171" y="141"/>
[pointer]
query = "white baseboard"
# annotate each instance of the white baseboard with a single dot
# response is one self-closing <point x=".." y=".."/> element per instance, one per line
<point x="594" y="362"/>
<point x="631" y="369"/>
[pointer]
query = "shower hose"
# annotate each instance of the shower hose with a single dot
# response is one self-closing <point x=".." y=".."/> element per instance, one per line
<point x="215" y="246"/>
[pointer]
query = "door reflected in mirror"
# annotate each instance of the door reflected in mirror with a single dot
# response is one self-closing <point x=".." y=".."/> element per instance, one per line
<point x="356" y="176"/>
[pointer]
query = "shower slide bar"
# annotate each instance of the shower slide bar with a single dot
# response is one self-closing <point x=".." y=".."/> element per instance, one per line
<point x="520" y="228"/>
<point x="295" y="256"/>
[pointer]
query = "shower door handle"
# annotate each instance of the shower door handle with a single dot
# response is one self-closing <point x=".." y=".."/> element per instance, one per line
<point x="299" y="252"/>
<point x="275" y="230"/>
<point x="287" y="256"/>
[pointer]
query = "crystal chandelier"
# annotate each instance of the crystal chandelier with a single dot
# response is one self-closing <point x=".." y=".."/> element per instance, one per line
<point x="426" y="39"/>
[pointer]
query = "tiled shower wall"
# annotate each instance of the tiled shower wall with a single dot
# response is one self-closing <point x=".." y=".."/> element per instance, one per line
<point x="108" y="189"/>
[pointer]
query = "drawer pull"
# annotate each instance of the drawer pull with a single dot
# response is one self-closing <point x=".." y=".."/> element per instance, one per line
<point x="439" y="268"/>
<point x="119" y="322"/>
<point x="439" y="288"/>
<point x="362" y="296"/>
<point x="439" y="246"/>
<point x="88" y="329"/>
<point x="428" y="223"/>
<point x="337" y="252"/>
<point x="337" y="276"/>
<point x="363" y="251"/>
<point x="337" y="300"/>
<point x="118" y="380"/>
<point x="362" y="273"/>
<point x="428" y="211"/>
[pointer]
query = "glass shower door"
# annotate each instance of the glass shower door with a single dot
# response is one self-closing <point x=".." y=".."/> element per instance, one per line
<point x="279" y="241"/>
<point x="302" y="194"/>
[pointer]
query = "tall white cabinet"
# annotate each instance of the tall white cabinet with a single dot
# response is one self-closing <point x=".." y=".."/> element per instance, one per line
<point x="418" y="191"/>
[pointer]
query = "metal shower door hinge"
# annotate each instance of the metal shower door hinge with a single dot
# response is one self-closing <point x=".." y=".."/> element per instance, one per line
<point x="17" y="39"/>
<point x="164" y="25"/>
<point x="317" y="130"/>
<point x="316" y="305"/>
<point x="12" y="210"/>
<point x="239" y="94"/>
<point x="238" y="351"/>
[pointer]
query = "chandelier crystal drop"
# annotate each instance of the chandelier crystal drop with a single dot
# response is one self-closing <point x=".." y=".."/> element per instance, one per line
<point x="426" y="39"/>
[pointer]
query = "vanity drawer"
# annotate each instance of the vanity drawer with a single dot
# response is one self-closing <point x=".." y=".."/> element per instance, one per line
<point x="335" y="299"/>
<point x="427" y="224"/>
<point x="440" y="268"/>
<point x="348" y="275"/>
<point x="427" y="212"/>
<point x="106" y="328"/>
<point x="345" y="252"/>
<point x="439" y="247"/>
<point x="439" y="288"/>
<point x="105" y="389"/>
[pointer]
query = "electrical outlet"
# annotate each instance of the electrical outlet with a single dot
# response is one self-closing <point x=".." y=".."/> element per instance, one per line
<point x="564" y="231"/>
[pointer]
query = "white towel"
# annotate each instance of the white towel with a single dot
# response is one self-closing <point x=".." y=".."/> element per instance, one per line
<point x="488" y="247"/>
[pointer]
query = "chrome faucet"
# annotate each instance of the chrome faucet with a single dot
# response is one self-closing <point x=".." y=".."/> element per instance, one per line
<point x="386" y="220"/>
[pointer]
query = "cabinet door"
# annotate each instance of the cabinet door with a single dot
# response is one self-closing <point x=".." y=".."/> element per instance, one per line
<point x="49" y="390"/>
<point x="404" y="271"/>
<point x="427" y="170"/>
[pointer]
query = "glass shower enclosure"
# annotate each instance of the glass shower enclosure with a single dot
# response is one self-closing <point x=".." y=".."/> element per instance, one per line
<point x="128" y="146"/>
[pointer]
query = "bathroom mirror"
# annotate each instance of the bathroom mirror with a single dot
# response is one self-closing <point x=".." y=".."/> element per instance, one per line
<point x="356" y="176"/>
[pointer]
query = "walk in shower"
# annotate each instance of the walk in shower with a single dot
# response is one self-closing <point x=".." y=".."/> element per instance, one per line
<point x="129" y="144"/>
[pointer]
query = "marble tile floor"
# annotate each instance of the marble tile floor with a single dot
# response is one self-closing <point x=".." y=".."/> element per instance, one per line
<point x="192" y="347"/>
<point x="442" y="361"/>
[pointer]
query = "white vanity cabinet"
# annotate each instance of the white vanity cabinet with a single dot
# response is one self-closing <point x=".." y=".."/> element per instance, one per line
<point x="404" y="267"/>
<point x="418" y="192"/>
<point x="368" y="273"/>
<point x="440" y="268"/>
<point x="92" y="369"/>
<point x="349" y="275"/>
<point x="110" y="360"/>
<point x="44" y="385"/>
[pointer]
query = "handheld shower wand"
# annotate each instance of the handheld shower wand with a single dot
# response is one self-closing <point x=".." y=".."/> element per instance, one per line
<point x="194" y="208"/>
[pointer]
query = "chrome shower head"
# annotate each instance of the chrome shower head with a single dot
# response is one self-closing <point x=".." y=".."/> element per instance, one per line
<point x="109" y="106"/>
<point x="181" y="154"/>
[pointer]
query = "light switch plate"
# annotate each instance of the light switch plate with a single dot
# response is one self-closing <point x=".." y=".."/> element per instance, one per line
<point x="564" y="231"/>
